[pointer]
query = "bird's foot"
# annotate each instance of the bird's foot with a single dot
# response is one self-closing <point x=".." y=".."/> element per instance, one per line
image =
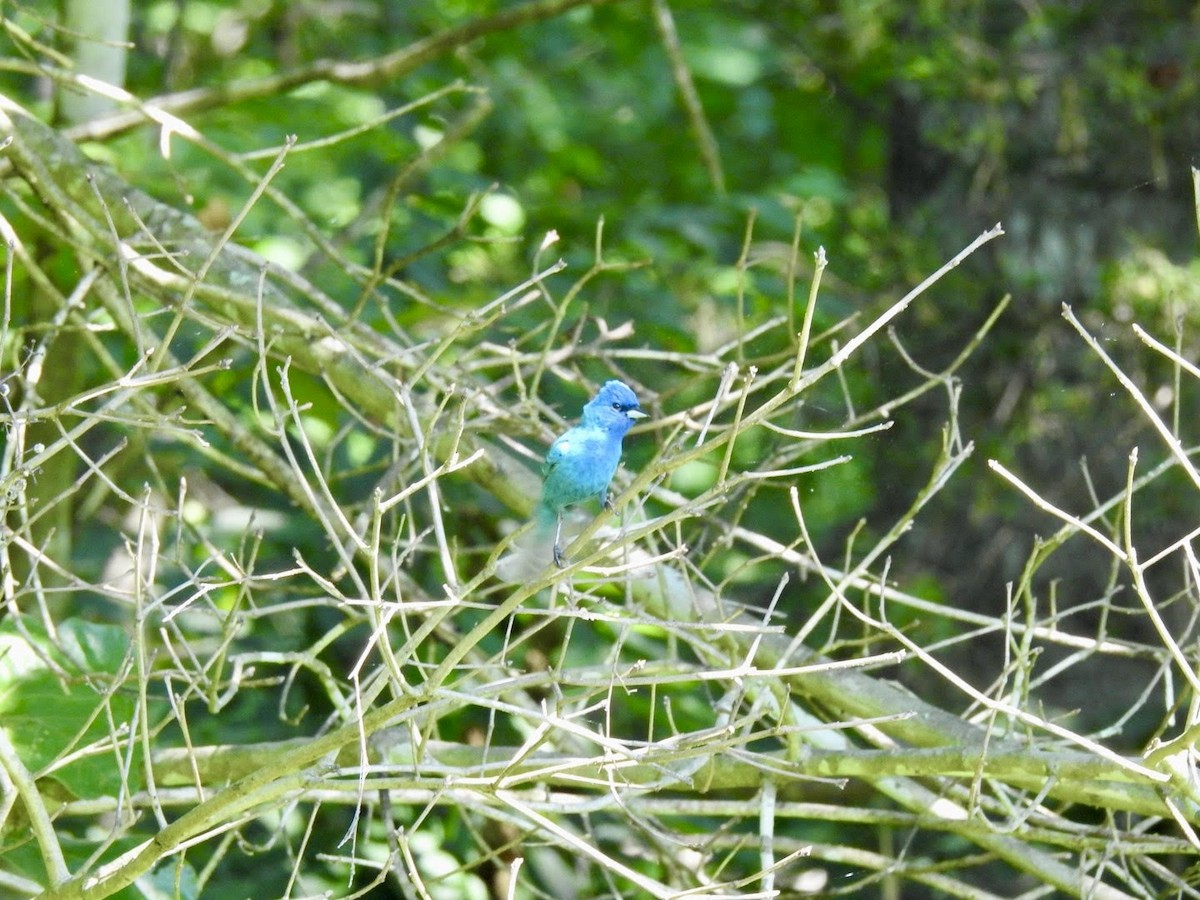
<point x="608" y="504"/>
<point x="559" y="560"/>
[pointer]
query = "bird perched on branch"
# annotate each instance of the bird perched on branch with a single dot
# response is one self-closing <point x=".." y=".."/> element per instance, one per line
<point x="580" y="464"/>
<point x="582" y="461"/>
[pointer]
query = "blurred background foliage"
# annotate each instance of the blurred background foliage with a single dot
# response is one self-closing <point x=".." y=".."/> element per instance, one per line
<point x="893" y="133"/>
<point x="896" y="132"/>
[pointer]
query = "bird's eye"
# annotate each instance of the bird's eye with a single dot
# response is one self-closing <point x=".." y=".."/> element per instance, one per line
<point x="617" y="406"/>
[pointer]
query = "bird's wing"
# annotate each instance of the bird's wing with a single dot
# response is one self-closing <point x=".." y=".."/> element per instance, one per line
<point x="559" y="449"/>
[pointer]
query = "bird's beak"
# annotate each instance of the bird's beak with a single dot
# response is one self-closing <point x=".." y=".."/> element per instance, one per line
<point x="636" y="414"/>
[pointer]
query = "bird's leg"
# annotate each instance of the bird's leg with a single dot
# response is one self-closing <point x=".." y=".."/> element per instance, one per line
<point x="607" y="503"/>
<point x="558" y="553"/>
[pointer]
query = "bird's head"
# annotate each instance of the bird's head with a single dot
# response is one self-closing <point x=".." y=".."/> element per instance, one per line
<point x="614" y="408"/>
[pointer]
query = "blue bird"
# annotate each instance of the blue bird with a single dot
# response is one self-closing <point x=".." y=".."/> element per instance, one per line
<point x="582" y="461"/>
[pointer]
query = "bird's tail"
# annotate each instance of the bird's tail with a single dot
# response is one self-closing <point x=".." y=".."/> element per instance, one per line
<point x="544" y="520"/>
<point x="532" y="551"/>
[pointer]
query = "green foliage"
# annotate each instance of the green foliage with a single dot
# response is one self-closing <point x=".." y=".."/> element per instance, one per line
<point x="63" y="700"/>
<point x="252" y="519"/>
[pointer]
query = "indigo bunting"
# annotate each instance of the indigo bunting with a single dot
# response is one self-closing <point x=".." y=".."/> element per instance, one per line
<point x="582" y="461"/>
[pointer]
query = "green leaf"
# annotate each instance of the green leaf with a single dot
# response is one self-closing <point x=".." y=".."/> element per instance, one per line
<point x="56" y="698"/>
<point x="173" y="879"/>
